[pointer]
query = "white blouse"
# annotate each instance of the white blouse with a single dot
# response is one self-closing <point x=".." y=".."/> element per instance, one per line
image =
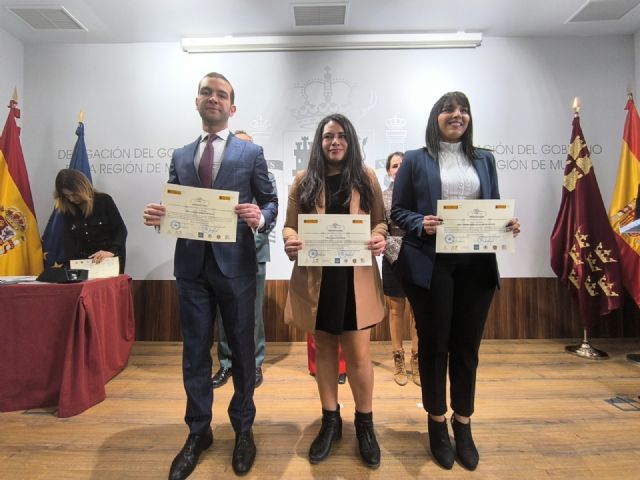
<point x="458" y="177"/>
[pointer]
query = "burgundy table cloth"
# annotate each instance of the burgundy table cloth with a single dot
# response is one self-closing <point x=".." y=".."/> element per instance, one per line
<point x="61" y="343"/>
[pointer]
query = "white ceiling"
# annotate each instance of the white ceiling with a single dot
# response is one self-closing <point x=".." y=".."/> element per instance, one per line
<point x="133" y="21"/>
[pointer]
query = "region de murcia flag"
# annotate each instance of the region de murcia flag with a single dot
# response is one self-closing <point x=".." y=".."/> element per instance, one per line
<point x="624" y="201"/>
<point x="20" y="247"/>
<point x="584" y="253"/>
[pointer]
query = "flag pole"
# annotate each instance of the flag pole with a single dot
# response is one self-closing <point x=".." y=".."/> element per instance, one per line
<point x="584" y="349"/>
<point x="633" y="357"/>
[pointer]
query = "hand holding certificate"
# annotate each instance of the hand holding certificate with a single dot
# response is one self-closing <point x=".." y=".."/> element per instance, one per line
<point x="331" y="240"/>
<point x="199" y="213"/>
<point x="474" y="226"/>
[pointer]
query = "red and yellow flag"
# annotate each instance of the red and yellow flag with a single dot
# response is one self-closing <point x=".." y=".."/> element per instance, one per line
<point x="20" y="247"/>
<point x="584" y="253"/>
<point x="623" y="202"/>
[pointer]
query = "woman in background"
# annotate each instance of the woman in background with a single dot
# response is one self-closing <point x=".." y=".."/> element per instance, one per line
<point x="392" y="285"/>
<point x="338" y="304"/>
<point x="93" y="227"/>
<point x="450" y="293"/>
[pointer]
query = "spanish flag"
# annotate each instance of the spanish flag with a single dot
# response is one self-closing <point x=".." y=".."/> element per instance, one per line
<point x="20" y="247"/>
<point x="623" y="202"/>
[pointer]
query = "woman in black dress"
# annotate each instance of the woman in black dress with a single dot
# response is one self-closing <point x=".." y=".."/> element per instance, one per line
<point x="93" y="227"/>
<point x="338" y="304"/>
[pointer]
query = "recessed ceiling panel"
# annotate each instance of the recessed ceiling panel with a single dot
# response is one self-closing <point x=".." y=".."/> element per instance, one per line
<point x="602" y="10"/>
<point x="319" y="15"/>
<point x="47" y="18"/>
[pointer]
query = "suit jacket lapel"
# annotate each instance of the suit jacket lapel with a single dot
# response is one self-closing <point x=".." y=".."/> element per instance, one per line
<point x="231" y="154"/>
<point x="191" y="151"/>
<point x="485" y="184"/>
<point x="433" y="179"/>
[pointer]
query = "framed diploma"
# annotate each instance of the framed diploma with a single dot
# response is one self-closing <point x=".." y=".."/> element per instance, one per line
<point x="199" y="213"/>
<point x="331" y="240"/>
<point x="474" y="226"/>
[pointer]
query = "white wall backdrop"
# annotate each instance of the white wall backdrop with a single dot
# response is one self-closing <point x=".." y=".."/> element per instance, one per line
<point x="139" y="104"/>
<point x="11" y="70"/>
<point x="636" y="40"/>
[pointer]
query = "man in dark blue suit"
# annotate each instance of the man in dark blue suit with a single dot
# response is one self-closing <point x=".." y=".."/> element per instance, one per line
<point x="223" y="275"/>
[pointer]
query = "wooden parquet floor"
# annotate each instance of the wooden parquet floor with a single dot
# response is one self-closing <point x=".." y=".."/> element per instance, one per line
<point x="540" y="413"/>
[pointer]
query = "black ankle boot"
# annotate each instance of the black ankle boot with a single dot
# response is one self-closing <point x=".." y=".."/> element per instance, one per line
<point x="367" y="443"/>
<point x="330" y="430"/>
<point x="440" y="443"/>
<point x="465" y="448"/>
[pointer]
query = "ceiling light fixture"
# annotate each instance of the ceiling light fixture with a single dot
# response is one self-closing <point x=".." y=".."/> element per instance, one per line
<point x="331" y="42"/>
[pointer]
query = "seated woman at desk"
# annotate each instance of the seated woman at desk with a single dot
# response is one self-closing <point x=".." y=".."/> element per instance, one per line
<point x="93" y="227"/>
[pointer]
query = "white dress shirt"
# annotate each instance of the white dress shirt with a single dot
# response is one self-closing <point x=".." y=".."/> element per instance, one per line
<point x="458" y="177"/>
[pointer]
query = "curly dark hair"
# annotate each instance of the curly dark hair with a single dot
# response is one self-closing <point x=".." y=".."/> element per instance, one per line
<point x="354" y="174"/>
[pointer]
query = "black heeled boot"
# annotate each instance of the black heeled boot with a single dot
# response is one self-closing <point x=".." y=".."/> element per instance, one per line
<point x="367" y="443"/>
<point x="465" y="447"/>
<point x="440" y="443"/>
<point x="330" y="430"/>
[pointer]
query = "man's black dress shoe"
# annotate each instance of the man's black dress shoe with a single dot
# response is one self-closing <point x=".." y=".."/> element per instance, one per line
<point x="244" y="453"/>
<point x="259" y="378"/>
<point x="221" y="377"/>
<point x="186" y="461"/>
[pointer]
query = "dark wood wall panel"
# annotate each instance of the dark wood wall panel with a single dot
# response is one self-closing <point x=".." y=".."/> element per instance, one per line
<point x="522" y="308"/>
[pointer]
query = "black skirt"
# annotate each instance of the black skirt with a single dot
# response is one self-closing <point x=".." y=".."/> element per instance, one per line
<point x="391" y="284"/>
<point x="337" y="302"/>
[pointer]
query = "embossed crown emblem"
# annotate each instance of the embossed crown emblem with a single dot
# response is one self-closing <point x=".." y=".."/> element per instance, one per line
<point x="395" y="123"/>
<point x="395" y="132"/>
<point x="320" y="97"/>
<point x="260" y="126"/>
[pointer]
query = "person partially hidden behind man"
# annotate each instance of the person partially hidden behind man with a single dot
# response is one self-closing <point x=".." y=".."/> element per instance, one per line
<point x="263" y="255"/>
<point x="214" y="274"/>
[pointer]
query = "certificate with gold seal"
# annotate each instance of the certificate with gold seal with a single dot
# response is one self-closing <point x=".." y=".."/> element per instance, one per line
<point x="474" y="226"/>
<point x="199" y="213"/>
<point x="333" y="240"/>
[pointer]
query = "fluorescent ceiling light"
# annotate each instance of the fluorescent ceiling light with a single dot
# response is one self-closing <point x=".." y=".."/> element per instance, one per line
<point x="332" y="42"/>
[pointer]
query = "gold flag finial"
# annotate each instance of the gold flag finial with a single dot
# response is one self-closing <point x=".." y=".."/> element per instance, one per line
<point x="14" y="97"/>
<point x="576" y="106"/>
<point x="81" y="116"/>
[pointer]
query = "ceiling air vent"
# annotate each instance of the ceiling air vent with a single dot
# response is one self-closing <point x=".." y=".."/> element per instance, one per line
<point x="47" y="18"/>
<point x="320" y="15"/>
<point x="602" y="10"/>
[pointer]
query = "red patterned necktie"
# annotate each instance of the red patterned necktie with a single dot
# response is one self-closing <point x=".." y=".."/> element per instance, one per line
<point x="205" y="169"/>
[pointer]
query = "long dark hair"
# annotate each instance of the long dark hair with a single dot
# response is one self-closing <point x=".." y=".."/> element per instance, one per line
<point x="76" y="182"/>
<point x="432" y="134"/>
<point x="354" y="174"/>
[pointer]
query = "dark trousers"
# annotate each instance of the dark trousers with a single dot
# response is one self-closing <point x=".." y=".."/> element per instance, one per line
<point x="198" y="299"/>
<point x="224" y="352"/>
<point x="450" y="318"/>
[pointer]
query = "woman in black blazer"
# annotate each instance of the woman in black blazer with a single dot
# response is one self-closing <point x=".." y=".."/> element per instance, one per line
<point x="450" y="293"/>
<point x="93" y="227"/>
